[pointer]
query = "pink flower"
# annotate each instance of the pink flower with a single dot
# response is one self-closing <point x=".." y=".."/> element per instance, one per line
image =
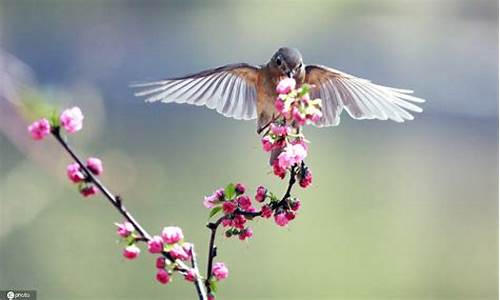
<point x="246" y="233"/>
<point x="227" y="222"/>
<point x="266" y="211"/>
<point x="229" y="207"/>
<point x="244" y="202"/>
<point x="131" y="251"/>
<point x="212" y="200"/>
<point x="306" y="180"/>
<point x="190" y="275"/>
<point x="280" y="106"/>
<point x="295" y="205"/>
<point x="211" y="297"/>
<point x="278" y="170"/>
<point x="124" y="229"/>
<point x="220" y="271"/>
<point x="74" y="173"/>
<point x="267" y="143"/>
<point x="291" y="155"/>
<point x="39" y="129"/>
<point x="177" y="252"/>
<point x="280" y="130"/>
<point x="290" y="215"/>
<point x="160" y="262"/>
<point x="95" y="165"/>
<point x="316" y="117"/>
<point x="298" y="116"/>
<point x="281" y="219"/>
<point x="172" y="234"/>
<point x="240" y="188"/>
<point x="239" y="221"/>
<point x="155" y="245"/>
<point x="285" y="86"/>
<point x="88" y="190"/>
<point x="71" y="119"/>
<point x="260" y="195"/>
<point x="162" y="276"/>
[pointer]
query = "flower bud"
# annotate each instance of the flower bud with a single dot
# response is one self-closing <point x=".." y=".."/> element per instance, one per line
<point x="155" y="245"/>
<point x="72" y="119"/>
<point x="162" y="276"/>
<point x="39" y="129"/>
<point x="220" y="271"/>
<point x="131" y="252"/>
<point x="172" y="234"/>
<point x="95" y="165"/>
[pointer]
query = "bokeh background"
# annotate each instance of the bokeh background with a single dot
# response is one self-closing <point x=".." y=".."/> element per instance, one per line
<point x="396" y="211"/>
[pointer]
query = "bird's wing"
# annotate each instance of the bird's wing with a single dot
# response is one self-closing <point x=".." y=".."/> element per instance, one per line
<point x="361" y="98"/>
<point x="229" y="89"/>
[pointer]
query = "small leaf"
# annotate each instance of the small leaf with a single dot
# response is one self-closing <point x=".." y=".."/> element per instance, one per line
<point x="213" y="285"/>
<point x="230" y="191"/>
<point x="214" y="211"/>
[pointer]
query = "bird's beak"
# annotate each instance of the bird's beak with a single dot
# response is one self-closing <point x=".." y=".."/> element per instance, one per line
<point x="290" y="74"/>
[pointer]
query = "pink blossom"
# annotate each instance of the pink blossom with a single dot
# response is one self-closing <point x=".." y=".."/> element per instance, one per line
<point x="88" y="190"/>
<point x="280" y="106"/>
<point x="316" y="117"/>
<point x="227" y="222"/>
<point x="188" y="248"/>
<point x="95" y="165"/>
<point x="74" y="173"/>
<point x="244" y="202"/>
<point x="212" y="200"/>
<point x="172" y="234"/>
<point x="290" y="215"/>
<point x="239" y="222"/>
<point x="162" y="276"/>
<point x="229" y="207"/>
<point x="267" y="143"/>
<point x="160" y="262"/>
<point x="124" y="229"/>
<point x="131" y="251"/>
<point x="190" y="275"/>
<point x="177" y="252"/>
<point x="285" y="86"/>
<point x="306" y="180"/>
<point x="240" y="188"/>
<point x="246" y="233"/>
<point x="155" y="245"/>
<point x="278" y="170"/>
<point x="211" y="297"/>
<point x="299" y="117"/>
<point x="295" y="205"/>
<point x="72" y="119"/>
<point x="280" y="130"/>
<point x="260" y="195"/>
<point x="291" y="155"/>
<point x="220" y="271"/>
<point x="266" y="211"/>
<point x="39" y="129"/>
<point x="281" y="219"/>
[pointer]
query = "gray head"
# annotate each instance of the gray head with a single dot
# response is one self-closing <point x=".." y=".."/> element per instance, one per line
<point x="288" y="61"/>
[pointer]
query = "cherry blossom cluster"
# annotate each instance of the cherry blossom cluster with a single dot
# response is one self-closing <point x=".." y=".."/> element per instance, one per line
<point x="71" y="120"/>
<point x="283" y="139"/>
<point x="169" y="245"/>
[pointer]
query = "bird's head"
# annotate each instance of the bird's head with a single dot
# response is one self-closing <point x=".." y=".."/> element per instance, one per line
<point x="288" y="61"/>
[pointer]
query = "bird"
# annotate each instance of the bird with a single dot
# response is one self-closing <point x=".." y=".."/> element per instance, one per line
<point x="246" y="92"/>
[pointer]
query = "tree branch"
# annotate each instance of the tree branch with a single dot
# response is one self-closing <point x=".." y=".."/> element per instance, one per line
<point x="116" y="201"/>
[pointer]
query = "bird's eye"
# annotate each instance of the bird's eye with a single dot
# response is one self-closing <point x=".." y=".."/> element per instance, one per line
<point x="299" y="66"/>
<point x="278" y="61"/>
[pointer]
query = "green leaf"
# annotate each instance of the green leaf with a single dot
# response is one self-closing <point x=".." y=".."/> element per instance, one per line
<point x="214" y="211"/>
<point x="230" y="191"/>
<point x="213" y="285"/>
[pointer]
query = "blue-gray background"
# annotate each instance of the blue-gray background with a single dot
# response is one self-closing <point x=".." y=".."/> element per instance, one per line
<point x="396" y="211"/>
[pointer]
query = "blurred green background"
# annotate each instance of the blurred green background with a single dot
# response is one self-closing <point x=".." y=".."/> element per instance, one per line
<point x="396" y="211"/>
